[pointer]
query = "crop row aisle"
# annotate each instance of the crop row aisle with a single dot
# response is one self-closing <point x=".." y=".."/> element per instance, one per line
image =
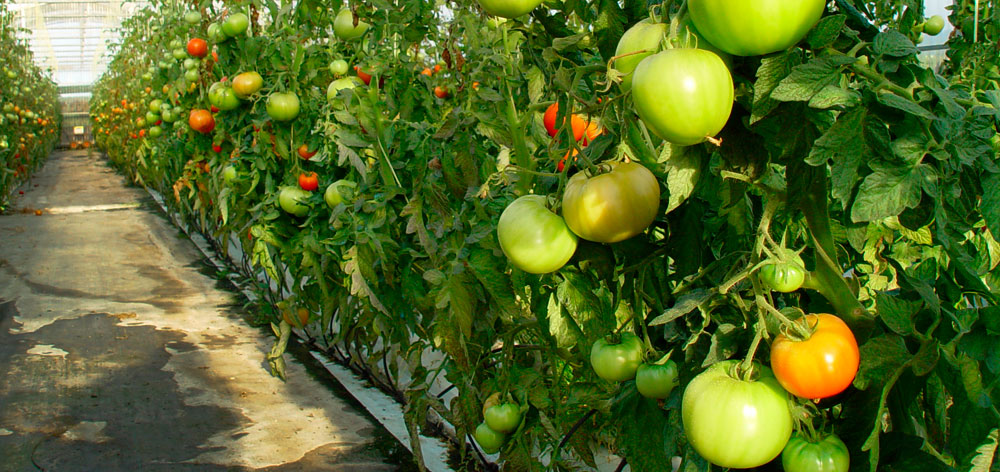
<point x="569" y="235"/>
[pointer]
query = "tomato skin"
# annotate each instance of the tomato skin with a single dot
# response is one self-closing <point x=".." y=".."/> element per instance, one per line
<point x="197" y="47"/>
<point x="343" y="25"/>
<point x="235" y="24"/>
<point x="292" y="200"/>
<point x="509" y="8"/>
<point x="503" y="418"/>
<point x="308" y="181"/>
<point x="339" y="191"/>
<point x="821" y="366"/>
<point x="736" y="423"/>
<point x="656" y="381"/>
<point x="247" y="84"/>
<point x="617" y="362"/>
<point x="755" y="27"/>
<point x="614" y="206"/>
<point x="549" y="119"/>
<point x="683" y="95"/>
<point x="934" y="25"/>
<point x="283" y="106"/>
<point x="830" y="454"/>
<point x="201" y="121"/>
<point x="533" y="238"/>
<point x="489" y="440"/>
<point x="644" y="35"/>
<point x="784" y="276"/>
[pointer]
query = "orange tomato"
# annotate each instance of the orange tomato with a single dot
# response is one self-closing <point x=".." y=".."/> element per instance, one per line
<point x="201" y="121"/>
<point x="197" y="47"/>
<point x="441" y="92"/>
<point x="578" y="124"/>
<point x="822" y="365"/>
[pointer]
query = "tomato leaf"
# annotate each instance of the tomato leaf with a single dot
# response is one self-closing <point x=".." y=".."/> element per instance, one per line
<point x="686" y="304"/>
<point x="844" y="145"/>
<point x="591" y="309"/>
<point x="725" y="343"/>
<point x="991" y="203"/>
<point x="684" y="166"/>
<point x="895" y="101"/>
<point x="826" y="31"/>
<point x="644" y="427"/>
<point x="896" y="312"/>
<point x="808" y="79"/>
<point x="893" y="43"/>
<point x="880" y="356"/>
<point x="772" y="71"/>
<point x="983" y="460"/>
<point x="888" y="193"/>
<point x="834" y="96"/>
<point x="489" y="270"/>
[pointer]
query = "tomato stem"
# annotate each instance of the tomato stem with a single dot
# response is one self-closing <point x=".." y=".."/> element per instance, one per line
<point x="746" y="368"/>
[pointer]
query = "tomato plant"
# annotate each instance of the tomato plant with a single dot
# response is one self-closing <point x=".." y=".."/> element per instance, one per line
<point x="828" y="454"/>
<point x="735" y="422"/>
<point x="616" y="361"/>
<point x="820" y="366"/>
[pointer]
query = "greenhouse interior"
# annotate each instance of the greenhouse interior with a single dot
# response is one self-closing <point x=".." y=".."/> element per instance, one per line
<point x="500" y="235"/>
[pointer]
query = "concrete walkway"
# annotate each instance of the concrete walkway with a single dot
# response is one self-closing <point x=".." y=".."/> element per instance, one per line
<point x="117" y="353"/>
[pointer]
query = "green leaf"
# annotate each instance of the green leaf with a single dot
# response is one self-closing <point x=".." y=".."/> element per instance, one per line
<point x="771" y="72"/>
<point x="489" y="270"/>
<point x="561" y="326"/>
<point x="686" y="304"/>
<point x="725" y="342"/>
<point x="591" y="309"/>
<point x="890" y="99"/>
<point x="887" y="193"/>
<point x="456" y="297"/>
<point x="893" y="43"/>
<point x="834" y="96"/>
<point x="536" y="84"/>
<point x="643" y="430"/>
<point x="808" y="79"/>
<point x="826" y="31"/>
<point x="845" y="145"/>
<point x="897" y="313"/>
<point x="683" y="172"/>
<point x="880" y="357"/>
<point x="983" y="460"/>
<point x="991" y="203"/>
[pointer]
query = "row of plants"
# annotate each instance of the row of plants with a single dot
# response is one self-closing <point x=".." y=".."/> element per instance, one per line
<point x="29" y="109"/>
<point x="733" y="236"/>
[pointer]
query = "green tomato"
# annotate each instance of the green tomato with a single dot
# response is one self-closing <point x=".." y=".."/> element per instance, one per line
<point x="491" y="441"/>
<point x="140" y="123"/>
<point x="830" y="454"/>
<point x="168" y="116"/>
<point x="215" y="33"/>
<point x="339" y="191"/>
<point x="503" y="418"/>
<point x="509" y="8"/>
<point x="736" y="423"/>
<point x="655" y="380"/>
<point x="784" y="276"/>
<point x="152" y="117"/>
<point x="190" y="63"/>
<point x="228" y="99"/>
<point x="236" y="24"/>
<point x="344" y="28"/>
<point x="155" y="132"/>
<point x="614" y="206"/>
<point x="292" y="200"/>
<point x="643" y="36"/>
<point x="229" y="175"/>
<point x="340" y="84"/>
<point x="755" y="27"/>
<point x="683" y="95"/>
<point x="192" y="76"/>
<point x="176" y="43"/>
<point x="616" y="362"/>
<point x="179" y="54"/>
<point x="283" y="106"/>
<point x="192" y="17"/>
<point x="154" y="106"/>
<point x="338" y="67"/>
<point x="934" y="25"/>
<point x="535" y="239"/>
<point x="147" y="76"/>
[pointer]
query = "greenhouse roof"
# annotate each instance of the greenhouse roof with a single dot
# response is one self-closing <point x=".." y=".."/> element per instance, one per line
<point x="71" y="37"/>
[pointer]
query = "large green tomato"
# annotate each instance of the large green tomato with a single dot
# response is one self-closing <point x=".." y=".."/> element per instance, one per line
<point x="179" y="54"/>
<point x="339" y="191"/>
<point x="488" y="439"/>
<point x="155" y="132"/>
<point x="614" y="206"/>
<point x="283" y="106"/>
<point x="616" y="362"/>
<point x="503" y="417"/>
<point x="733" y="422"/>
<point x="509" y="8"/>
<point x="755" y="27"/>
<point x="643" y="36"/>
<point x="830" y="454"/>
<point x="192" y="17"/>
<point x="154" y="106"/>
<point x="215" y="33"/>
<point x="934" y="25"/>
<point x="338" y="67"/>
<point x="683" y="95"/>
<point x="291" y="199"/>
<point x="535" y="239"/>
<point x="656" y="380"/>
<point x="228" y="99"/>
<point x="340" y="84"/>
<point x="236" y="24"/>
<point x="344" y="28"/>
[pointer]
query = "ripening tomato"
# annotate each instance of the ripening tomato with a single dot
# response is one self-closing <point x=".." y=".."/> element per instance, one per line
<point x="201" y="121"/>
<point x="611" y="207"/>
<point x="509" y="8"/>
<point x="549" y="119"/>
<point x="197" y="47"/>
<point x="304" y="152"/>
<point x="829" y="454"/>
<point x="755" y="27"/>
<point x="247" y="84"/>
<point x="308" y="181"/>
<point x="535" y="239"/>
<point x="441" y="92"/>
<point x="733" y="422"/>
<point x="822" y="365"/>
<point x="683" y="95"/>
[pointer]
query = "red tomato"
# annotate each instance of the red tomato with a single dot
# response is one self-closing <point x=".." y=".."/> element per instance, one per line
<point x="822" y="365"/>
<point x="197" y="47"/>
<point x="201" y="121"/>
<point x="437" y="68"/>
<point x="308" y="181"/>
<point x="214" y="109"/>
<point x="304" y="152"/>
<point x="441" y="92"/>
<point x="216" y="148"/>
<point x="578" y="124"/>
<point x="366" y="78"/>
